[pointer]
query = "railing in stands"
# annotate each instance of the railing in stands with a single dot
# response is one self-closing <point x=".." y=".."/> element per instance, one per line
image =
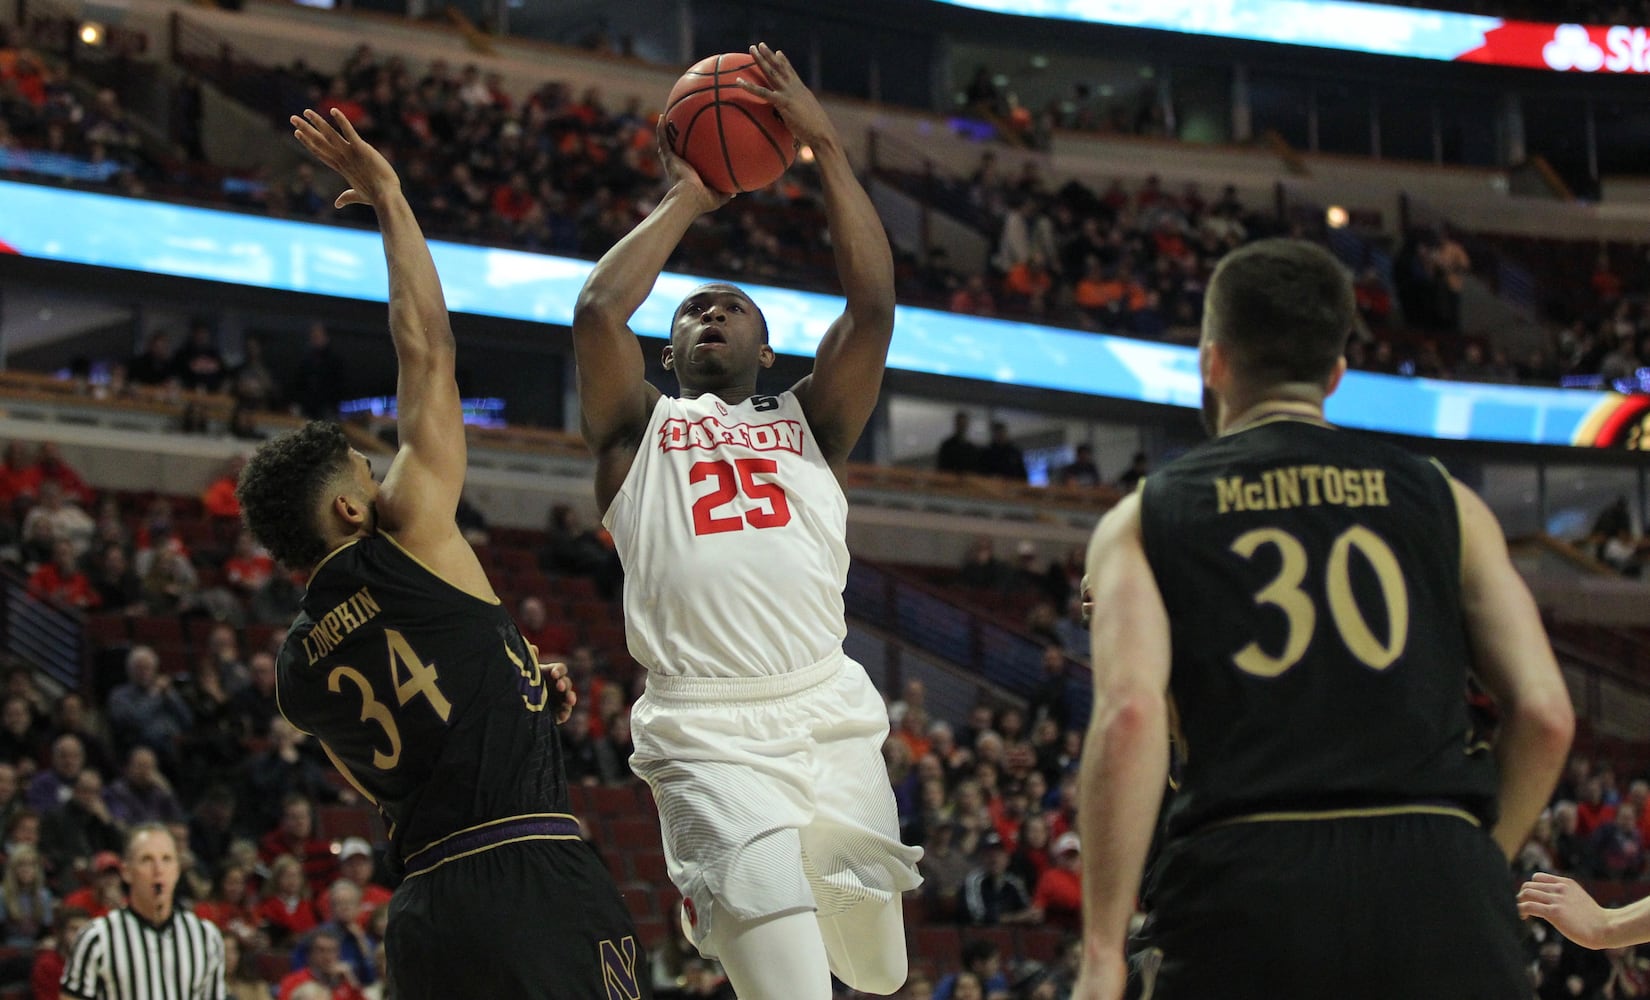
<point x="270" y="91"/>
<point x="49" y="637"/>
<point x="922" y="617"/>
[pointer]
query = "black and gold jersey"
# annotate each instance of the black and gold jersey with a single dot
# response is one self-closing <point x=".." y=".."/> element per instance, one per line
<point x="1320" y="657"/>
<point x="424" y="696"/>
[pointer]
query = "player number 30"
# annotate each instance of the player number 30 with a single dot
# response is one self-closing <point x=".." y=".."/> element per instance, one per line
<point x="1284" y="593"/>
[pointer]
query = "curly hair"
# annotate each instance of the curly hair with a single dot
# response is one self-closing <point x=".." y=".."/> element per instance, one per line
<point x="282" y="485"/>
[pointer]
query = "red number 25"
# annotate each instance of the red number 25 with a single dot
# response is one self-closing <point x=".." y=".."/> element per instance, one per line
<point x="772" y="510"/>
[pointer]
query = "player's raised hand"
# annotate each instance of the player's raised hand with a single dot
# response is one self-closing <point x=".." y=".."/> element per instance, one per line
<point x="1563" y="903"/>
<point x="566" y="697"/>
<point x="685" y="179"/>
<point x="803" y="114"/>
<point x="336" y="144"/>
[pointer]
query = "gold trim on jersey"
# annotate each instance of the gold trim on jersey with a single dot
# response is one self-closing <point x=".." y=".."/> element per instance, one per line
<point x="488" y="847"/>
<point x="326" y="559"/>
<point x="492" y="822"/>
<point x="494" y="600"/>
<point x="1313" y="815"/>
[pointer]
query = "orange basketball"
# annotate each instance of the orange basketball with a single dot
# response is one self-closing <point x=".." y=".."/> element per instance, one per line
<point x="736" y="141"/>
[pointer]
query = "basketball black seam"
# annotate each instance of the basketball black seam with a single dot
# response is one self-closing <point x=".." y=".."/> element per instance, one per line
<point x="764" y="133"/>
<point x="689" y="130"/>
<point x="700" y="90"/>
<point x="722" y="133"/>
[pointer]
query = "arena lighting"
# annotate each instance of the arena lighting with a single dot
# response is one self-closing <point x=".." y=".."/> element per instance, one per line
<point x="91" y="33"/>
<point x="1335" y="217"/>
<point x="82" y="227"/>
<point x="1352" y="26"/>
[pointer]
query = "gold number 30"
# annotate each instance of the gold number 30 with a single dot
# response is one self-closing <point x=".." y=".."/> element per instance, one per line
<point x="1284" y="593"/>
<point x="421" y="680"/>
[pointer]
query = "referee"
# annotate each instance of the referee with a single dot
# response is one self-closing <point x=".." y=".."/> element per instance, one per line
<point x="145" y="950"/>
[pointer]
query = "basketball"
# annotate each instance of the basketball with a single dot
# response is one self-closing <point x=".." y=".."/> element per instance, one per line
<point x="736" y="141"/>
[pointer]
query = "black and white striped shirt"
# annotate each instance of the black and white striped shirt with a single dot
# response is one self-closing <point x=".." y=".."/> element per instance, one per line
<point x="121" y="956"/>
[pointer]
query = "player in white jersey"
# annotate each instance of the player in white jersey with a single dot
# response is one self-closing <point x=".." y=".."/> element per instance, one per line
<point x="761" y="740"/>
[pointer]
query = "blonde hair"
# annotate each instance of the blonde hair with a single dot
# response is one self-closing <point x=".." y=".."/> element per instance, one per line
<point x="281" y="866"/>
<point x="18" y="901"/>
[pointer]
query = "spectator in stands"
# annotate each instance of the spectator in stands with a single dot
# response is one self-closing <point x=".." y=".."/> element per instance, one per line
<point x="319" y="383"/>
<point x="1082" y="471"/>
<point x="61" y="579"/>
<point x="147" y="710"/>
<point x="982" y="961"/>
<point x="218" y="500"/>
<point x="51" y="959"/>
<point x="11" y="798"/>
<point x="348" y="924"/>
<point x="973" y="298"/>
<point x="943" y="868"/>
<point x="1027" y="233"/>
<point x="69" y="523"/>
<point x="326" y="967"/>
<point x="286" y="912"/>
<point x="955" y="760"/>
<point x="252" y="383"/>
<point x="1002" y="458"/>
<point x="1134" y="473"/>
<point x="54" y="786"/>
<point x="23" y="736"/>
<point x="254" y="706"/>
<point x="1594" y="810"/>
<point x="240" y="978"/>
<point x="26" y="903"/>
<point x="107" y="890"/>
<point x="196" y="364"/>
<point x="1617" y="847"/>
<point x="355" y="863"/>
<point x="991" y="894"/>
<point x="1569" y="849"/>
<point x="118" y="589"/>
<point x="589" y="761"/>
<point x="152" y="367"/>
<point x="80" y="827"/>
<point x="1058" y="897"/>
<point x="72" y="715"/>
<point x="280" y="784"/>
<point x="982" y="568"/>
<point x="278" y="601"/>
<point x="572" y="549"/>
<point x="1454" y="265"/>
<point x="1028" y="285"/>
<point x="957" y="453"/>
<point x="232" y="906"/>
<point x="22" y="828"/>
<point x="1051" y="699"/>
<point x="142" y="795"/>
<point x="1373" y="299"/>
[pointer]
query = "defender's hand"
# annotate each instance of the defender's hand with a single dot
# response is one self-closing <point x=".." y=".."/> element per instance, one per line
<point x="369" y="176"/>
<point x="685" y="180"/>
<point x="803" y="114"/>
<point x="566" y="697"/>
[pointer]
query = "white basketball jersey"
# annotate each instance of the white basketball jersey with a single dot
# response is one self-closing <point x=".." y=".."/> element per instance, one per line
<point x="732" y="531"/>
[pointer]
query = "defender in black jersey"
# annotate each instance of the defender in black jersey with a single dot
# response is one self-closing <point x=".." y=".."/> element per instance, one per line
<point x="1312" y="601"/>
<point x="413" y="678"/>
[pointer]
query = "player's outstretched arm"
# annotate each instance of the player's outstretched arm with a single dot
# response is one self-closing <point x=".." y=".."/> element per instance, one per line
<point x="1563" y="903"/>
<point x="1126" y="752"/>
<point x="1515" y="661"/>
<point x="615" y="399"/>
<point x="421" y="489"/>
<point x="847" y="377"/>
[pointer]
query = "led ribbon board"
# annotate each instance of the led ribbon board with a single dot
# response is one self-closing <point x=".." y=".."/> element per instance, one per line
<point x="1364" y="27"/>
<point x="80" y="227"/>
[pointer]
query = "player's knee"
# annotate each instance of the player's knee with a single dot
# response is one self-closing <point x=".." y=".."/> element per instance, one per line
<point x="884" y="974"/>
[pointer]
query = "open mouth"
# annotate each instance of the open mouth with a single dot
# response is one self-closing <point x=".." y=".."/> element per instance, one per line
<point x="712" y="335"/>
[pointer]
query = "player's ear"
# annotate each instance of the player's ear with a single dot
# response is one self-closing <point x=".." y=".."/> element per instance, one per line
<point x="346" y="507"/>
<point x="1335" y="377"/>
<point x="764" y="357"/>
<point x="1215" y="361"/>
<point x="667" y="357"/>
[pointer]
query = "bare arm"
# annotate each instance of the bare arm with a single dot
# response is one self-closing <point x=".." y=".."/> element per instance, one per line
<point x="847" y="378"/>
<point x="1565" y="904"/>
<point x="420" y="492"/>
<point x="1515" y="661"/>
<point x="1125" y="754"/>
<point x="615" y="400"/>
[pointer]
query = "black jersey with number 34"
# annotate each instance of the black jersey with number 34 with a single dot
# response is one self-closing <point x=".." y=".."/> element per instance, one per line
<point x="1320" y="658"/>
<point x="425" y="696"/>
